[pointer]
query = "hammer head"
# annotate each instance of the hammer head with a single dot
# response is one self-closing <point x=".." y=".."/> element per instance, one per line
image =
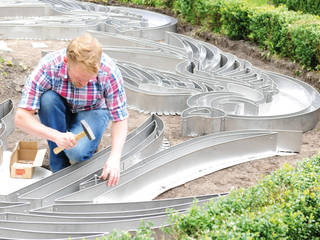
<point x="87" y="130"/>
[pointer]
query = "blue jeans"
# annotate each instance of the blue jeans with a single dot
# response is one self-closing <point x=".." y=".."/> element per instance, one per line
<point x="54" y="112"/>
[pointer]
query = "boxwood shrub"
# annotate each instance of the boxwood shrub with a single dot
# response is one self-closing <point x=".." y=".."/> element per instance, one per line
<point x="311" y="6"/>
<point x="284" y="205"/>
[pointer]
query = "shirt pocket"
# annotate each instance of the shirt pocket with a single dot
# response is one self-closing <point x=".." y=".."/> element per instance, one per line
<point x="90" y="97"/>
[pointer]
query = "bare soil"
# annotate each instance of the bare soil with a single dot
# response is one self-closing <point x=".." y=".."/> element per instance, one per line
<point x="24" y="58"/>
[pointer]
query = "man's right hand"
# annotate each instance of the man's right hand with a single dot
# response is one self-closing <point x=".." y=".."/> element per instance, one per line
<point x="65" y="140"/>
<point x="25" y="120"/>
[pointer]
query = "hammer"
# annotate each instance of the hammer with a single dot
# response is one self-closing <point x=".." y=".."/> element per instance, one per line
<point x="86" y="132"/>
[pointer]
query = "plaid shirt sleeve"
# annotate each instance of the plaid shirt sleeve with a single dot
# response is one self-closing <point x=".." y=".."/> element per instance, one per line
<point x="116" y="100"/>
<point x="36" y="84"/>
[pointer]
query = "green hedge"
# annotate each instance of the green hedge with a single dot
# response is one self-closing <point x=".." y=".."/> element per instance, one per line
<point x="306" y="6"/>
<point x="305" y="43"/>
<point x="269" y="27"/>
<point x="276" y="29"/>
<point x="284" y="32"/>
<point x="287" y="33"/>
<point x="285" y="205"/>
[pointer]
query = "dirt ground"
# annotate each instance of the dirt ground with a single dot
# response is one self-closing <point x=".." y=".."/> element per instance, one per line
<point x="23" y="57"/>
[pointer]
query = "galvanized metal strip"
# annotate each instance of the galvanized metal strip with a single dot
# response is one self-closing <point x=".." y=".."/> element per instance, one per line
<point x="47" y="193"/>
<point x="160" y="174"/>
<point x="58" y="16"/>
<point x="17" y="207"/>
<point x="6" y="122"/>
<point x="14" y="234"/>
<point x="60" y="174"/>
<point x="99" y="216"/>
<point x="93" y="228"/>
<point x="174" y="155"/>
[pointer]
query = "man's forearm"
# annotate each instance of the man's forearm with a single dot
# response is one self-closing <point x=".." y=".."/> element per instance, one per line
<point x="26" y="121"/>
<point x="119" y="135"/>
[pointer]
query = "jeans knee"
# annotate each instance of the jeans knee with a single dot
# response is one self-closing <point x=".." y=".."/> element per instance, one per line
<point x="48" y="100"/>
<point x="74" y="156"/>
<point x="79" y="153"/>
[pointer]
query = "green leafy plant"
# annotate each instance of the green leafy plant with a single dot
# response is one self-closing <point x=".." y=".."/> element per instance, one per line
<point x="284" y="205"/>
<point x="235" y="17"/>
<point x="311" y="6"/>
<point x="305" y="38"/>
<point x="144" y="232"/>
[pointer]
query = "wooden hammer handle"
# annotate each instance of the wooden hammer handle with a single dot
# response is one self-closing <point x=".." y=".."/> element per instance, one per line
<point x="80" y="135"/>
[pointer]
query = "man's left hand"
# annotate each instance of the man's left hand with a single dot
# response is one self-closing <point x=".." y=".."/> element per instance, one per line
<point x="111" y="170"/>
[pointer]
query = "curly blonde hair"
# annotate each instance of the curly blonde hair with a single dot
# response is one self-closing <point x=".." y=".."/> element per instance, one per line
<point x="85" y="50"/>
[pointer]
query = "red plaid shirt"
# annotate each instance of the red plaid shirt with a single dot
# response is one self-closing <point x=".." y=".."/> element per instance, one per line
<point x="104" y="92"/>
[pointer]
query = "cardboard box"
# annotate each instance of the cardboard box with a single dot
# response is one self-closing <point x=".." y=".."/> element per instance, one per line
<point x="25" y="157"/>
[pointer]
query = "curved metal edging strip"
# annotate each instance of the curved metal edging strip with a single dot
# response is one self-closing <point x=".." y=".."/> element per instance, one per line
<point x="6" y="121"/>
<point x="47" y="193"/>
<point x="160" y="173"/>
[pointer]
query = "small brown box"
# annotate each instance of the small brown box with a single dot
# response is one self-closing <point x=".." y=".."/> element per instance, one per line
<point x="25" y="158"/>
